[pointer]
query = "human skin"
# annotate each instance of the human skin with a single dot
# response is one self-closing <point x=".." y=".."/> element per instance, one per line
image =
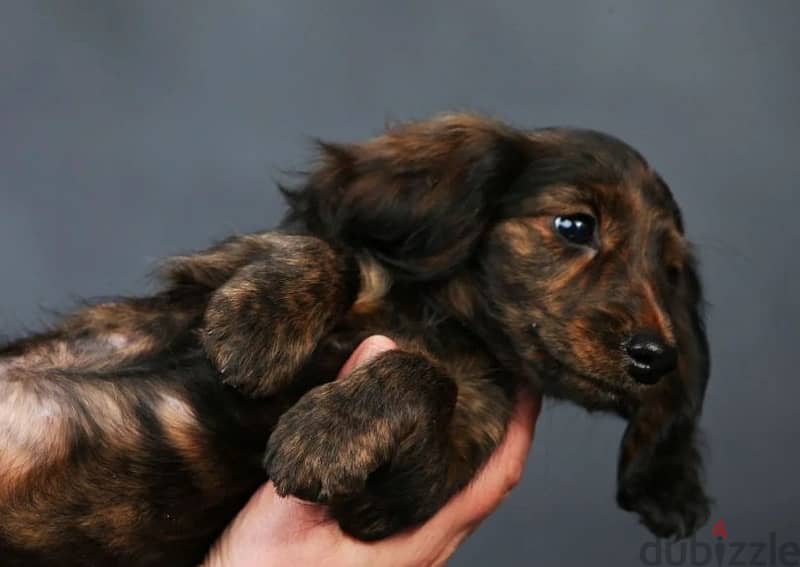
<point x="272" y="530"/>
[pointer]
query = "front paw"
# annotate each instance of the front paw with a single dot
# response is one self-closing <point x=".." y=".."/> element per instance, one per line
<point x="234" y="342"/>
<point x="377" y="514"/>
<point x="264" y="323"/>
<point x="323" y="448"/>
<point x="670" y="503"/>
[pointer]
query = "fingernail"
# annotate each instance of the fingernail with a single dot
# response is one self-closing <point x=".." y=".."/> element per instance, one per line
<point x="365" y="352"/>
<point x="372" y="347"/>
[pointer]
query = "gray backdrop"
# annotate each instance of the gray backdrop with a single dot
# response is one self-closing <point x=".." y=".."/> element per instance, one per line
<point x="133" y="130"/>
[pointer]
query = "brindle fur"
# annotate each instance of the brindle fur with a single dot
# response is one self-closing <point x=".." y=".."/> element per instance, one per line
<point x="134" y="431"/>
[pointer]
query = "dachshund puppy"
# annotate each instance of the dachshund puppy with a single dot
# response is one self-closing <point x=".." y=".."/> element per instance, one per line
<point x="133" y="432"/>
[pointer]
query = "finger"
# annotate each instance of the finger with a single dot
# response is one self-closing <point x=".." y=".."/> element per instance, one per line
<point x="270" y="525"/>
<point x="500" y="474"/>
<point x="365" y="352"/>
<point x="293" y="519"/>
<point x="437" y="539"/>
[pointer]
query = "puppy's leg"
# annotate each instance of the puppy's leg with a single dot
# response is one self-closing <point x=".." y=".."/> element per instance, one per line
<point x="204" y="272"/>
<point x="113" y="331"/>
<point x="388" y="445"/>
<point x="265" y="321"/>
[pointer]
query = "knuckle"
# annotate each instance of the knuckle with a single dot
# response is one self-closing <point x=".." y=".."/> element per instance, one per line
<point x="514" y="473"/>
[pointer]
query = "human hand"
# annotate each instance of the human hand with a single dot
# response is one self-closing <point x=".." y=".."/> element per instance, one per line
<point x="272" y="530"/>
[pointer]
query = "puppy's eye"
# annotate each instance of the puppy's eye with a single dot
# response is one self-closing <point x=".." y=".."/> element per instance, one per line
<point x="578" y="229"/>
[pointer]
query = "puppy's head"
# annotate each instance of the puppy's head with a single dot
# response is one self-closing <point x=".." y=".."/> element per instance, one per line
<point x="576" y="251"/>
<point x="596" y="287"/>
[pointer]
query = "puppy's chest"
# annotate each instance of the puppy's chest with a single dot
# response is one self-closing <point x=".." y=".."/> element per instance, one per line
<point x="445" y="342"/>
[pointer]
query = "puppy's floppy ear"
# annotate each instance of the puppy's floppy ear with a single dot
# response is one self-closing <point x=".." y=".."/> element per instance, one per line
<point x="660" y="469"/>
<point x="417" y="197"/>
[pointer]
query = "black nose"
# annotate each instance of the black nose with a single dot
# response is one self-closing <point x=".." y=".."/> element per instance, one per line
<point x="650" y="357"/>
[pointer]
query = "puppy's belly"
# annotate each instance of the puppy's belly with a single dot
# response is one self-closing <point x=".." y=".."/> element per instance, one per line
<point x="142" y="466"/>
